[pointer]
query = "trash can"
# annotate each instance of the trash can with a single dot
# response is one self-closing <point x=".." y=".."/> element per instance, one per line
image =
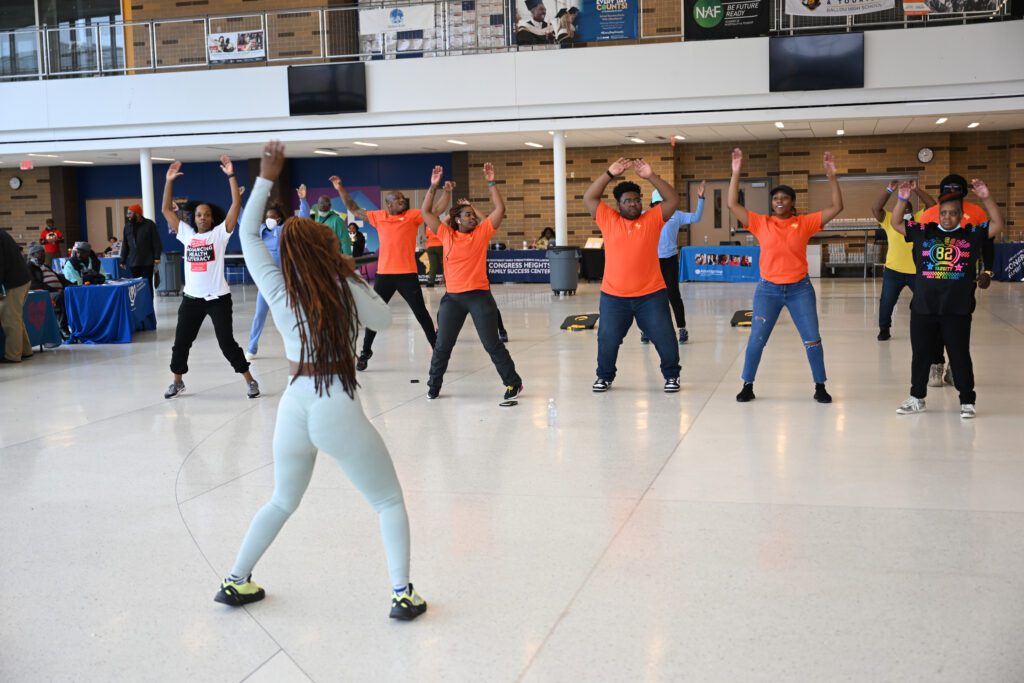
<point x="565" y="269"/>
<point x="171" y="274"/>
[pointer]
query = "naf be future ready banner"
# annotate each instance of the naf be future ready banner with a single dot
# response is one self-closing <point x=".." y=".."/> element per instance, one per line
<point x="716" y="19"/>
<point x="601" y="20"/>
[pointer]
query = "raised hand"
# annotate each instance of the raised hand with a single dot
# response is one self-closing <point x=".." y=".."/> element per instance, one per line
<point x="830" y="164"/>
<point x="449" y="185"/>
<point x="737" y="160"/>
<point x="700" y="188"/>
<point x="435" y="176"/>
<point x="906" y="188"/>
<point x="174" y="171"/>
<point x="642" y="168"/>
<point x="619" y="166"/>
<point x="226" y="165"/>
<point x="336" y="182"/>
<point x="301" y="191"/>
<point x="272" y="161"/>
<point x="893" y="184"/>
<point x="489" y="172"/>
<point x="462" y="201"/>
<point x="980" y="188"/>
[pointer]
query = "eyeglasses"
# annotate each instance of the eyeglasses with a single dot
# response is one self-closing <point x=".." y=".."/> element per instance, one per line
<point x="631" y="201"/>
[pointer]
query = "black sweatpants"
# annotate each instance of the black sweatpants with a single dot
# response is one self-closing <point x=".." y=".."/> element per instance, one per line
<point x="670" y="273"/>
<point x="191" y="314"/>
<point x="451" y="316"/>
<point x="408" y="285"/>
<point x="955" y="331"/>
<point x="147" y="273"/>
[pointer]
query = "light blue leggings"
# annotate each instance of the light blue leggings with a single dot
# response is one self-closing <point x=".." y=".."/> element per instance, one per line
<point x="337" y="426"/>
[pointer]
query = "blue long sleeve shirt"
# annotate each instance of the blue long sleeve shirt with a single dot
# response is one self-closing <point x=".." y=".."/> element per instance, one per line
<point x="667" y="246"/>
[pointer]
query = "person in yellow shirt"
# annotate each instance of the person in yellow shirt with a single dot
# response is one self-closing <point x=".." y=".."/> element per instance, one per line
<point x="899" y="269"/>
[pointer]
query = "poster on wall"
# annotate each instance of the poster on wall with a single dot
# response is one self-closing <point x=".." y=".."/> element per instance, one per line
<point x="716" y="19"/>
<point x="237" y="46"/>
<point x="833" y="8"/>
<point x="408" y="18"/>
<point x="564" y="22"/>
<point x="949" y="6"/>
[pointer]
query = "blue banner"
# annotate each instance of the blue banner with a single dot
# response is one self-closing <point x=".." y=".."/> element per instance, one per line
<point x="720" y="264"/>
<point x="607" y="20"/>
<point x="564" y="22"/>
<point x="518" y="266"/>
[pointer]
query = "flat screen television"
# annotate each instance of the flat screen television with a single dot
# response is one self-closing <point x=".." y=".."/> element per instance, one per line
<point x="821" y="62"/>
<point x="327" y="89"/>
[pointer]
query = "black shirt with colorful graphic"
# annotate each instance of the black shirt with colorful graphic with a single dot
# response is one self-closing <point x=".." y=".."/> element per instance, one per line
<point x="946" y="267"/>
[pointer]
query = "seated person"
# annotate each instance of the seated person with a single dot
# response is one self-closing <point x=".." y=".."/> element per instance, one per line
<point x="113" y="247"/>
<point x="546" y="239"/>
<point x="44" y="279"/>
<point x="83" y="268"/>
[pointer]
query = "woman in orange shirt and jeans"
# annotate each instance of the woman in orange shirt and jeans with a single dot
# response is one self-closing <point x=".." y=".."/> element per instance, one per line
<point x="783" y="238"/>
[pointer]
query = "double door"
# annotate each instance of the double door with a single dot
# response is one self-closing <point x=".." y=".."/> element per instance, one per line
<point x="718" y="224"/>
<point x="105" y="218"/>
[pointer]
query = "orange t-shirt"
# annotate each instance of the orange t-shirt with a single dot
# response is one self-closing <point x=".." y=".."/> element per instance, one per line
<point x="631" y="266"/>
<point x="465" y="257"/>
<point x="433" y="240"/>
<point x="397" y="235"/>
<point x="973" y="215"/>
<point x="783" y="244"/>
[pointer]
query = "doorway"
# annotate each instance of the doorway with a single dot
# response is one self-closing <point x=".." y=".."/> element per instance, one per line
<point x="105" y="218"/>
<point x="718" y="223"/>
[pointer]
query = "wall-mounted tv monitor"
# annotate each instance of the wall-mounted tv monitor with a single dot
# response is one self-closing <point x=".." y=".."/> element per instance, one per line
<point x="822" y="62"/>
<point x="327" y="89"/>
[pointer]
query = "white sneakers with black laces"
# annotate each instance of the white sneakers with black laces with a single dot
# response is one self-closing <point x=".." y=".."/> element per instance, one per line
<point x="910" y="406"/>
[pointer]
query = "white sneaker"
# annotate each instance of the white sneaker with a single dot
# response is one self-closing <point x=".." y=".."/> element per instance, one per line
<point x="910" y="406"/>
<point x="935" y="376"/>
<point x="967" y="411"/>
<point x="249" y="355"/>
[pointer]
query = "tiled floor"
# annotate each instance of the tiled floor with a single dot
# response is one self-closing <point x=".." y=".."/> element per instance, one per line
<point x="637" y="535"/>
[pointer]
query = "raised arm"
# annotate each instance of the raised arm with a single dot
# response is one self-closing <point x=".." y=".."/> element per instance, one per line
<point x="995" y="216"/>
<point x="733" y="197"/>
<point x="592" y="197"/>
<point x="926" y="199"/>
<point x="350" y="204"/>
<point x="878" y="208"/>
<point x="429" y="217"/>
<point x="833" y="185"/>
<point x="236" y="195"/>
<point x="903" y="192"/>
<point x="498" y="214"/>
<point x="669" y="196"/>
<point x="166" y="208"/>
<point x="265" y="273"/>
<point x="303" y="204"/>
<point x="444" y="198"/>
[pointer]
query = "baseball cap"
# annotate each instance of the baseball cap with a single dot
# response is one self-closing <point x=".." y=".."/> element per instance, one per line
<point x="656" y="197"/>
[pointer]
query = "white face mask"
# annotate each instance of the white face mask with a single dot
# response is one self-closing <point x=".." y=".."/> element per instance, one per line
<point x="271" y="223"/>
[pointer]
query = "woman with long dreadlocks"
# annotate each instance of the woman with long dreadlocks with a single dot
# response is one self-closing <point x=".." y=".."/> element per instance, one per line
<point x="318" y="303"/>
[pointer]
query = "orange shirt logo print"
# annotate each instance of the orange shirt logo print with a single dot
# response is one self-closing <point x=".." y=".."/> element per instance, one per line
<point x="199" y="254"/>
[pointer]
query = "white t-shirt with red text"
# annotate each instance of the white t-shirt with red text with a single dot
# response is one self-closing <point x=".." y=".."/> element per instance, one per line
<point x="204" y="261"/>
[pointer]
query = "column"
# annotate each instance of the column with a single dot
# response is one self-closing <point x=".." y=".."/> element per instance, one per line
<point x="561" y="216"/>
<point x="146" y="173"/>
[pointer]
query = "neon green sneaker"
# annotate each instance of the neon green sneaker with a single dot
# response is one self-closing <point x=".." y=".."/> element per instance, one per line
<point x="407" y="605"/>
<point x="238" y="594"/>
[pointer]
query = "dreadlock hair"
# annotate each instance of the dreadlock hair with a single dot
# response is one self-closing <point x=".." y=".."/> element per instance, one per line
<point x="316" y="282"/>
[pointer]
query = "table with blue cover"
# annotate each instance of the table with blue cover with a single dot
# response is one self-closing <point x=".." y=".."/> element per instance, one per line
<point x="1009" y="261"/>
<point x="40" y="321"/>
<point x="518" y="265"/>
<point x="110" y="265"/>
<point x="720" y="264"/>
<point x="109" y="313"/>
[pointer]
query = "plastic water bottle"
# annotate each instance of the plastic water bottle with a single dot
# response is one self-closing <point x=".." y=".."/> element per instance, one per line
<point x="552" y="412"/>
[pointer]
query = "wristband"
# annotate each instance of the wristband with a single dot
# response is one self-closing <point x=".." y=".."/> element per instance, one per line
<point x="231" y="175"/>
<point x="906" y="199"/>
<point x="491" y="183"/>
<point x="610" y="175"/>
<point x="889" y="190"/>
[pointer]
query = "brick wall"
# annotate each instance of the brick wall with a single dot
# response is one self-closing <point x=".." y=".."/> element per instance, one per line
<point x="24" y="211"/>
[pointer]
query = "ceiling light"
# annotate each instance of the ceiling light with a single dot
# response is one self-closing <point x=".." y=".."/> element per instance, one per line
<point x="160" y="159"/>
<point x="48" y="156"/>
<point x="939" y="122"/>
<point x="80" y="163"/>
<point x="458" y="142"/>
<point x="973" y="124"/>
<point x="534" y="144"/>
<point x="780" y="124"/>
<point x="366" y="144"/>
<point x="679" y="137"/>
<point x="325" y="151"/>
<point x="840" y="132"/>
<point x="638" y="141"/>
<point x="551" y="132"/>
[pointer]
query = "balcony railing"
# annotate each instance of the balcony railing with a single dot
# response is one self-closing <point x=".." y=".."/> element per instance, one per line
<point x="317" y="35"/>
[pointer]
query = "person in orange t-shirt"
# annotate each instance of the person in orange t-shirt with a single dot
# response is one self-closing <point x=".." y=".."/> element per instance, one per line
<point x="397" y="227"/>
<point x="783" y="238"/>
<point x="465" y="239"/>
<point x="633" y="287"/>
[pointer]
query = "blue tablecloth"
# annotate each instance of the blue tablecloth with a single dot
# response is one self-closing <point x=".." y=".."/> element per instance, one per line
<point x="526" y="265"/>
<point x="110" y="265"/>
<point x="720" y="264"/>
<point x="40" y="320"/>
<point x="1009" y="265"/>
<point x="108" y="314"/>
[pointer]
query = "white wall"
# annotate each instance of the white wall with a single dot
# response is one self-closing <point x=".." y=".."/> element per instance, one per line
<point x="676" y="83"/>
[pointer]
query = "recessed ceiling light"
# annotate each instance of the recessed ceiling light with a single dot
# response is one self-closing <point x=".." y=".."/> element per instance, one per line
<point x="939" y="122"/>
<point x="534" y="144"/>
<point x="458" y="142"/>
<point x="160" y="159"/>
<point x="365" y="144"/>
<point x="679" y="137"/>
<point x="80" y="163"/>
<point x="840" y="132"/>
<point x="551" y="132"/>
<point x="48" y="156"/>
<point x="638" y="141"/>
<point x="973" y="124"/>
<point x="325" y="151"/>
<point x="780" y="124"/>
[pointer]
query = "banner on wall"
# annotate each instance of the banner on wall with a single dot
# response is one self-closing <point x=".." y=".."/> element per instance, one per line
<point x="715" y="19"/>
<point x="237" y="46"/>
<point x="832" y="8"/>
<point x="564" y="22"/>
<point x="949" y="6"/>
<point x="409" y="18"/>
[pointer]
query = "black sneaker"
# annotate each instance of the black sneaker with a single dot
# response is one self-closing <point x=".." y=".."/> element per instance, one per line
<point x="254" y="389"/>
<point x="883" y="334"/>
<point x="644" y="339"/>
<point x="672" y="385"/>
<point x="513" y="391"/>
<point x="747" y="393"/>
<point x="174" y="390"/>
<point x="503" y="336"/>
<point x="433" y="392"/>
<point x="240" y="593"/>
<point x="820" y="395"/>
<point x="363" y="359"/>
<point x="407" y="605"/>
<point x="984" y="279"/>
<point x="684" y="336"/>
<point x="600" y="386"/>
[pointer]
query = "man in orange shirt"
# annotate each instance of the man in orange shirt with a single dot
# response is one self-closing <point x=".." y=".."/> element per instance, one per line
<point x="465" y="239"/>
<point x="633" y="287"/>
<point x="397" y="227"/>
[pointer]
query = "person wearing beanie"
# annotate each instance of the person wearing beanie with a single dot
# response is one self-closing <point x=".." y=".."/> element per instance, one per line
<point x="44" y="279"/>
<point x="83" y="268"/>
<point x="141" y="246"/>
